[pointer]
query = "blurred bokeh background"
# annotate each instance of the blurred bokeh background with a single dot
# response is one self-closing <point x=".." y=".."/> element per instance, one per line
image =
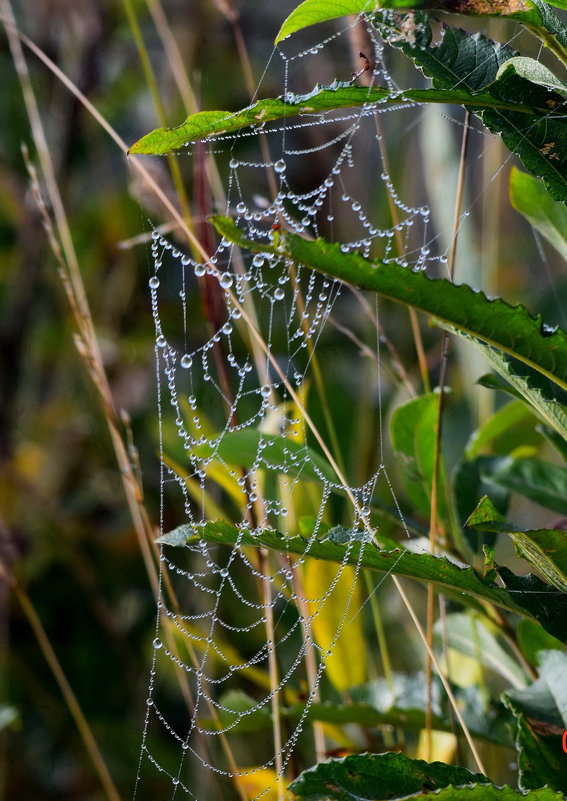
<point x="67" y="537"/>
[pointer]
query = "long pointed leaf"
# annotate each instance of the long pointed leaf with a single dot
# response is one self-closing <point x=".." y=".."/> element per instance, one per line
<point x="528" y="597"/>
<point x="510" y="328"/>
<point x="339" y="94"/>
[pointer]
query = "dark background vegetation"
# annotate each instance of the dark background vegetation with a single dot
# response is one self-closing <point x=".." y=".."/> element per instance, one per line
<point x="65" y="530"/>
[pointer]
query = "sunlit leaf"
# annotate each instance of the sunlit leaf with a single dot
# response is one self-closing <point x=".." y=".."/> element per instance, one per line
<point x="547" y="400"/>
<point x="257" y="782"/>
<point x="334" y="612"/>
<point x="508" y="418"/>
<point x="311" y="12"/>
<point x="340" y="94"/>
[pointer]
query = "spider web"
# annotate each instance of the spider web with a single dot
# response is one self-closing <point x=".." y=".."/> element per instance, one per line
<point x="235" y="640"/>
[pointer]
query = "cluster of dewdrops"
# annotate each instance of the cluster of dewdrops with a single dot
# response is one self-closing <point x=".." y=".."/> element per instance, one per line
<point x="265" y="278"/>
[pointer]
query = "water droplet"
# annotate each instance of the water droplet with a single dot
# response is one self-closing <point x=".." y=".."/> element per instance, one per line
<point x="154" y="282"/>
<point x="258" y="261"/>
<point x="161" y="341"/>
<point x="157" y="643"/>
<point x="241" y="207"/>
<point x="365" y="511"/>
<point x="227" y="329"/>
<point x="226" y="280"/>
<point x="186" y="361"/>
<point x="265" y="391"/>
<point x="233" y="164"/>
<point x="200" y="270"/>
<point x="279" y="166"/>
<point x="279" y="294"/>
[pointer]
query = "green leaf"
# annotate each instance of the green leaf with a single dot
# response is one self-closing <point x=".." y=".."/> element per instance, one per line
<point x="542" y="146"/>
<point x="508" y="418"/>
<point x="545" y="398"/>
<point x="468" y="635"/>
<point x="239" y="713"/>
<point x="372" y="705"/>
<point x="468" y="489"/>
<point x="377" y="777"/>
<point x="533" y="638"/>
<point x="544" y="549"/>
<point x="536" y="15"/>
<point x="541" y="717"/>
<point x="405" y="698"/>
<point x="249" y="447"/>
<point x="412" y="431"/>
<point x="477" y="63"/>
<point x="529" y="196"/>
<point x="528" y="596"/>
<point x="481" y="792"/>
<point x="510" y="328"/>
<point x="311" y="12"/>
<point x="542" y="482"/>
<point x="340" y="94"/>
<point x="535" y="72"/>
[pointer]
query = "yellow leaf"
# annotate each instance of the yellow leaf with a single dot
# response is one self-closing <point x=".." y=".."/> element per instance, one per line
<point x="464" y="671"/>
<point x="346" y="664"/>
<point x="261" y="783"/>
<point x="443" y="745"/>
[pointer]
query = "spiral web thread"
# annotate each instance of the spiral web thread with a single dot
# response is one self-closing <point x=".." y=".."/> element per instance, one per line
<point x="214" y="597"/>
